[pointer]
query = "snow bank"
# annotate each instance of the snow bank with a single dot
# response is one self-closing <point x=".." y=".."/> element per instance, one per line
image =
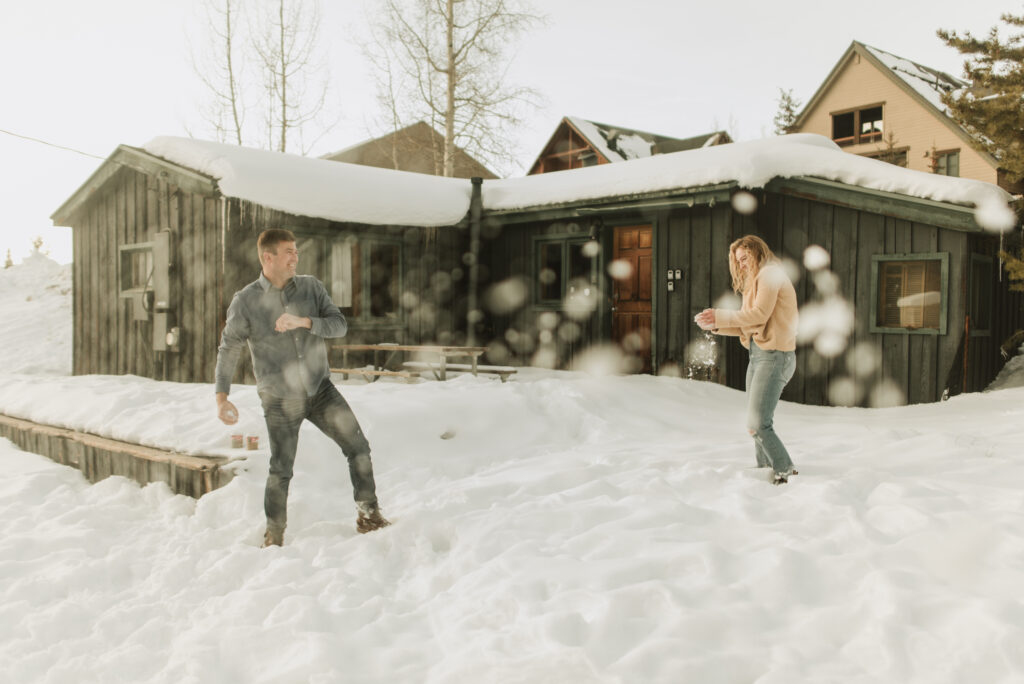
<point x="35" y="298"/>
<point x="320" y="188"/>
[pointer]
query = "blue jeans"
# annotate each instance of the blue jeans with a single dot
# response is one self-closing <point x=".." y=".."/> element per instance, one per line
<point x="329" y="411"/>
<point x="767" y="374"/>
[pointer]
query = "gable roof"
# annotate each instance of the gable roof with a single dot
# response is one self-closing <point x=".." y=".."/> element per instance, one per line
<point x="617" y="143"/>
<point x="415" y="147"/>
<point x="923" y="84"/>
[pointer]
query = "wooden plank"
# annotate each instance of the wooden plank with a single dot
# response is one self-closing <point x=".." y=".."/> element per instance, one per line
<point x="870" y="241"/>
<point x="99" y="457"/>
<point x="795" y="232"/>
<point x="95" y="266"/>
<point x="211" y="229"/>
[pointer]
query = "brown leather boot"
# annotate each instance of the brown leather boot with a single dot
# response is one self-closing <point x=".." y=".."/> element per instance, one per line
<point x="370" y="519"/>
<point x="273" y="538"/>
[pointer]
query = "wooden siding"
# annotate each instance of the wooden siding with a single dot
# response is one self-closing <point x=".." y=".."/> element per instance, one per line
<point x="132" y="208"/>
<point x="921" y="367"/>
<point x="433" y="273"/>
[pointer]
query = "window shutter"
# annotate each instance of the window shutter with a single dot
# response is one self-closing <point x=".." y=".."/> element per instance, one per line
<point x="912" y="313"/>
<point x="892" y="290"/>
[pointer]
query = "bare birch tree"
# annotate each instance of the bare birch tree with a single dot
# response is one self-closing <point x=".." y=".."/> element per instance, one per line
<point x="448" y="58"/>
<point x="219" y="68"/>
<point x="294" y="71"/>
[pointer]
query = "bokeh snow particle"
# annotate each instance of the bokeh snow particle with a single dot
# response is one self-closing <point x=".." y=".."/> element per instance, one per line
<point x="620" y="269"/>
<point x="816" y="258"/>
<point x="995" y="216"/>
<point x="744" y="203"/>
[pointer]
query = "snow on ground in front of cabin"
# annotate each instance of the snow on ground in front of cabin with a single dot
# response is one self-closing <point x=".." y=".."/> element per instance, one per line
<point x="572" y="528"/>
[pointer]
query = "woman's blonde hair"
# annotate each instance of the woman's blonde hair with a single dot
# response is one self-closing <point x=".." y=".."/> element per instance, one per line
<point x="759" y="252"/>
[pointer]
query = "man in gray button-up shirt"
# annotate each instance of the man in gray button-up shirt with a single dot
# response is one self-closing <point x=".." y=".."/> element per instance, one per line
<point x="284" y="318"/>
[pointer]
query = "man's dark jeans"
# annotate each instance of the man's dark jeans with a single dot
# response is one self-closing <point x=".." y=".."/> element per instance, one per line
<point x="329" y="411"/>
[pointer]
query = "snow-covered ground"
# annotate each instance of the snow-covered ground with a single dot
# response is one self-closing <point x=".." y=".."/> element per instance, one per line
<point x="35" y="301"/>
<point x="556" y="528"/>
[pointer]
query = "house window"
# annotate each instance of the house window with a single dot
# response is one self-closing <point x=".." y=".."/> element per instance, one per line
<point x="363" y="275"/>
<point x="564" y="266"/>
<point x="982" y="275"/>
<point x="947" y="163"/>
<point x="910" y="293"/>
<point x="857" y="126"/>
<point x="896" y="156"/>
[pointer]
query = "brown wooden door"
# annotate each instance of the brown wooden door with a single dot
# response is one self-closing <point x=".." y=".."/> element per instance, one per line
<point x="631" y="293"/>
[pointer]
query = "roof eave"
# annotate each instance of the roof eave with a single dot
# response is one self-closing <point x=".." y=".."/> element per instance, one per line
<point x="141" y="161"/>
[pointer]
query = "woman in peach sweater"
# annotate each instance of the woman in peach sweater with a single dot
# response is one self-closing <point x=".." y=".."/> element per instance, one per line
<point x="766" y="325"/>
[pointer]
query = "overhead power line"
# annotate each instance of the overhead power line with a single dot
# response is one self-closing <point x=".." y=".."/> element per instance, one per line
<point x="50" y="144"/>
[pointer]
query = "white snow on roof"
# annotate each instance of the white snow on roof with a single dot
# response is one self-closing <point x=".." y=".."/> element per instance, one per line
<point x="750" y="164"/>
<point x="924" y="81"/>
<point x="321" y="188"/>
<point x="362" y="194"/>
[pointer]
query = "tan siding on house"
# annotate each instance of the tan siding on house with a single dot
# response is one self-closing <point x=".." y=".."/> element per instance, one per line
<point x="859" y="83"/>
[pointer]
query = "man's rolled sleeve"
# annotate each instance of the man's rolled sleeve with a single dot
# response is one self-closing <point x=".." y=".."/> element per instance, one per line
<point x="330" y="322"/>
<point x="234" y="337"/>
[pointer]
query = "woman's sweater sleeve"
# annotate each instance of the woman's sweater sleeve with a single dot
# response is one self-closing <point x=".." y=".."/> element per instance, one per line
<point x="764" y="303"/>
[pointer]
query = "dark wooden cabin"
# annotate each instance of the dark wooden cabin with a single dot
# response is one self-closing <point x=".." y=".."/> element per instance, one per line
<point x="160" y="246"/>
<point x="885" y="248"/>
<point x="159" y="251"/>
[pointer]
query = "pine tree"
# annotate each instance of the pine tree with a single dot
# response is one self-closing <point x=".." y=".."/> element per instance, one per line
<point x="9" y="261"/>
<point x="785" y="115"/>
<point x="993" y="108"/>
<point x="1014" y="266"/>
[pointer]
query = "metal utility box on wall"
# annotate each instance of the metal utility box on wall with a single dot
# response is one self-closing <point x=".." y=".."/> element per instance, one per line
<point x="145" y="279"/>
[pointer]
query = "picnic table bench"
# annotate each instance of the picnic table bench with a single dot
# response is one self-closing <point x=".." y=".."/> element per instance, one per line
<point x="384" y="353"/>
<point x="502" y="371"/>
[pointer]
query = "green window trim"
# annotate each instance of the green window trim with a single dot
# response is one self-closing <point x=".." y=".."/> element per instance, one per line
<point x="558" y="250"/>
<point x="878" y="268"/>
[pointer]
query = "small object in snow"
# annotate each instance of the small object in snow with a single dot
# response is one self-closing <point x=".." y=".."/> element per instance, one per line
<point x="448" y="434"/>
<point x="236" y="441"/>
<point x="252" y="443"/>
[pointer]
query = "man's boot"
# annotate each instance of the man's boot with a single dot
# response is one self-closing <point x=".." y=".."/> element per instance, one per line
<point x="369" y="518"/>
<point x="273" y="537"/>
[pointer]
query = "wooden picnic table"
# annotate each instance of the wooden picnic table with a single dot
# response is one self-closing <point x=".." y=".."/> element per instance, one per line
<point x="387" y="351"/>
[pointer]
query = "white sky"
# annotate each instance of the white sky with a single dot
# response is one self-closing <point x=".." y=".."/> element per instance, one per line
<point x="94" y="75"/>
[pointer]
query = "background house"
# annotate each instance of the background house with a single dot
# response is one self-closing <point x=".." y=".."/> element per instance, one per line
<point x="418" y="148"/>
<point x="577" y="143"/>
<point x="879" y="105"/>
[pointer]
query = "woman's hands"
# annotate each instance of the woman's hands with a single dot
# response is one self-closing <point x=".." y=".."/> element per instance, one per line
<point x="706" y="319"/>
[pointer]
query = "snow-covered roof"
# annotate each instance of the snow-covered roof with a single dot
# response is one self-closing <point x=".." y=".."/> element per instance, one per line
<point x="617" y="144"/>
<point x="360" y="194"/>
<point x="749" y="164"/>
<point x="930" y="83"/>
<point x="320" y="188"/>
